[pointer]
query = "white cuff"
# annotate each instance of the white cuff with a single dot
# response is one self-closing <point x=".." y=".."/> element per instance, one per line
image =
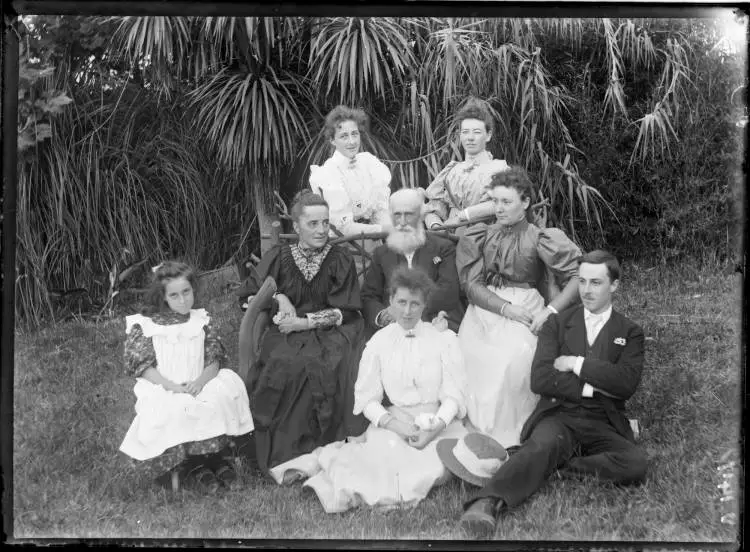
<point x="373" y="411"/>
<point x="553" y="309"/>
<point x="578" y="365"/>
<point x="432" y="218"/>
<point x="588" y="391"/>
<point x="447" y="411"/>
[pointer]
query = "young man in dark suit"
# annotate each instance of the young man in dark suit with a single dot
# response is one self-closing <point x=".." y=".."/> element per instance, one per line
<point x="409" y="244"/>
<point x="588" y="362"/>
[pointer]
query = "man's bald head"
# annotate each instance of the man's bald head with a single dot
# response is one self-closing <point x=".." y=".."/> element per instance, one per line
<point x="407" y="206"/>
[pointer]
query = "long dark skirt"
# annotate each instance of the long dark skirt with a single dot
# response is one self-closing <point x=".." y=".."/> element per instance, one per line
<point x="301" y="392"/>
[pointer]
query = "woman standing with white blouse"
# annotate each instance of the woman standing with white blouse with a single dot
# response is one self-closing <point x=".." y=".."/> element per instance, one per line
<point x="395" y="462"/>
<point x="354" y="183"/>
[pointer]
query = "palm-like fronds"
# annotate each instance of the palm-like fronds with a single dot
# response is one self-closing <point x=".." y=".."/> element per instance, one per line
<point x="655" y="129"/>
<point x="614" y="97"/>
<point x="162" y="44"/>
<point x="359" y="56"/>
<point x="253" y="120"/>
<point x="455" y="64"/>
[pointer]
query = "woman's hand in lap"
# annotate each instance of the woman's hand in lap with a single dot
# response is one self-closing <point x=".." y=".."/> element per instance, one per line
<point x="404" y="430"/>
<point x="518" y="313"/>
<point x="193" y="387"/>
<point x="175" y="387"/>
<point x="285" y="305"/>
<point x="425" y="436"/>
<point x="289" y="324"/>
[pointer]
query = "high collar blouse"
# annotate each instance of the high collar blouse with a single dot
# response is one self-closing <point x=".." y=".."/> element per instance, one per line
<point x="424" y="368"/>
<point x="519" y="253"/>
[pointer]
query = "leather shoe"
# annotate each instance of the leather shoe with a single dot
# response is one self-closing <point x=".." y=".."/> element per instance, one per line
<point x="479" y="519"/>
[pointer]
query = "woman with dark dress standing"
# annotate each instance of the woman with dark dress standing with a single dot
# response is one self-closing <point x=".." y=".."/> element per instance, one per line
<point x="301" y="385"/>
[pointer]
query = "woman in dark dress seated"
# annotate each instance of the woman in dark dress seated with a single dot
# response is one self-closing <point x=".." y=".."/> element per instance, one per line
<point x="302" y="385"/>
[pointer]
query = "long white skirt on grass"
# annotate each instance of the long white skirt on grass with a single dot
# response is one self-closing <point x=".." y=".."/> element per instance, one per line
<point x="498" y="353"/>
<point x="377" y="469"/>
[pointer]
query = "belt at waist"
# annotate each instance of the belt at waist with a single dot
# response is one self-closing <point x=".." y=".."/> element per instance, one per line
<point x="500" y="281"/>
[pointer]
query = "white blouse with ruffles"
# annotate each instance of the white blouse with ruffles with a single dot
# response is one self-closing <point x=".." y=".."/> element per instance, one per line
<point x="355" y="189"/>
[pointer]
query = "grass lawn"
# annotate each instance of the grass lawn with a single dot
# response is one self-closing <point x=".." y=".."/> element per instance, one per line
<point x="73" y="404"/>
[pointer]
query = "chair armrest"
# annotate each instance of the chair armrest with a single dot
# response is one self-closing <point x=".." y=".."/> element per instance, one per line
<point x="254" y="324"/>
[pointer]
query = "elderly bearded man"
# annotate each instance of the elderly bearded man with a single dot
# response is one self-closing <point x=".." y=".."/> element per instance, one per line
<point x="409" y="244"/>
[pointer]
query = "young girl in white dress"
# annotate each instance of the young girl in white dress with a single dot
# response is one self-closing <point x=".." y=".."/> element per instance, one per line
<point x="187" y="406"/>
<point x="395" y="462"/>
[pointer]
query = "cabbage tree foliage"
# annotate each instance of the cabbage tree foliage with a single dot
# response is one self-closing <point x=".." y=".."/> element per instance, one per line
<point x="261" y="86"/>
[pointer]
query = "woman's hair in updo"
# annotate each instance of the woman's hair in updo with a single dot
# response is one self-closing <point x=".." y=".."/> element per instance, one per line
<point x="475" y="109"/>
<point x="305" y="198"/>
<point x="516" y="178"/>
<point x="413" y="279"/>
<point x="163" y="273"/>
<point x="342" y="113"/>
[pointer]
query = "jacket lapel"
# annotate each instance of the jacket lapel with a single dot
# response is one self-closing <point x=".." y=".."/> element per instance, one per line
<point x="575" y="334"/>
<point x="614" y="329"/>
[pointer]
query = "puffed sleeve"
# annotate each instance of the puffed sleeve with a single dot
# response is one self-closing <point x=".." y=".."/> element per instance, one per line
<point x="438" y="199"/>
<point x="213" y="349"/>
<point x="268" y="266"/>
<point x="369" y="385"/>
<point x="381" y="189"/>
<point x="453" y="385"/>
<point x="470" y="257"/>
<point x="559" y="253"/>
<point x="139" y="352"/>
<point x="343" y="292"/>
<point x="324" y="181"/>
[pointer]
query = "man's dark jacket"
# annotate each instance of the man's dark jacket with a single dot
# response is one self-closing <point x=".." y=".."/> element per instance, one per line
<point x="618" y="374"/>
<point x="437" y="257"/>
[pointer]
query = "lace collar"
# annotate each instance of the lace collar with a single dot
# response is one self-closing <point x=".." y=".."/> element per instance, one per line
<point x="309" y="260"/>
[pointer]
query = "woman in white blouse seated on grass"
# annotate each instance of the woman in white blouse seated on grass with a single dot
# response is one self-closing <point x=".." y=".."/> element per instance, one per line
<point x="394" y="463"/>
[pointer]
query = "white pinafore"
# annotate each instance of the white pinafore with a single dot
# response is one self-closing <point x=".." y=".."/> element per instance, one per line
<point x="165" y="418"/>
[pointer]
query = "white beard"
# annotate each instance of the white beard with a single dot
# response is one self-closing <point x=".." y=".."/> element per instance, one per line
<point x="407" y="240"/>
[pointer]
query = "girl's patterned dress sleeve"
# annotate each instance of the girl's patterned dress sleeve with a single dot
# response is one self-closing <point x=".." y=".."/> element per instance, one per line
<point x="139" y="352"/>
<point x="213" y="349"/>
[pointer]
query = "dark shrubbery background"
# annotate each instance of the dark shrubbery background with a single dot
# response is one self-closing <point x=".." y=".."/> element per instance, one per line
<point x="120" y="164"/>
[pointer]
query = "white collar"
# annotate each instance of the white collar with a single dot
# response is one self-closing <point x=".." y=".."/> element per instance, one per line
<point x="480" y="157"/>
<point x="415" y="331"/>
<point x="341" y="159"/>
<point x="604" y="315"/>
